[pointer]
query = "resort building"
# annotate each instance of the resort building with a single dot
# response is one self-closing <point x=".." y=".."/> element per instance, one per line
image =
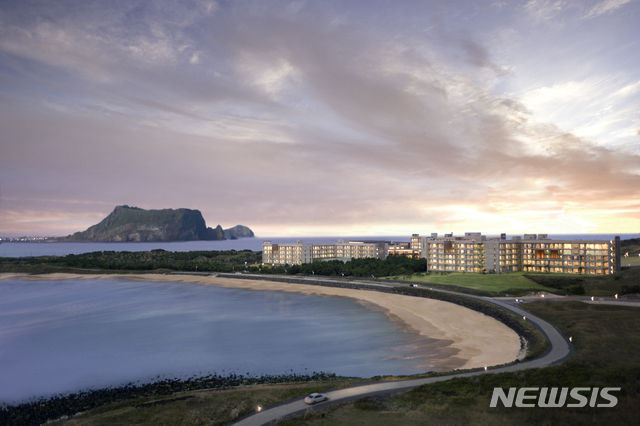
<point x="503" y="255"/>
<point x="474" y="252"/>
<point x="404" y="249"/>
<point x="419" y="243"/>
<point x="298" y="253"/>
<point x="286" y="254"/>
<point x="449" y="253"/>
<point x="571" y="256"/>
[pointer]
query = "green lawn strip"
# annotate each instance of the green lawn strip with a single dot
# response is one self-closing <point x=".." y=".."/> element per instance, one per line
<point x="607" y="345"/>
<point x="631" y="260"/>
<point x="495" y="283"/>
<point x="521" y="283"/>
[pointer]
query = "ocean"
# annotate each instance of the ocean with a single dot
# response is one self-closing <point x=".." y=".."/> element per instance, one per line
<point x="61" y="336"/>
<point x="24" y="249"/>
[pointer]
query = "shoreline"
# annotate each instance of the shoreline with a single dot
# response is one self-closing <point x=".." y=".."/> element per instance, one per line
<point x="448" y="336"/>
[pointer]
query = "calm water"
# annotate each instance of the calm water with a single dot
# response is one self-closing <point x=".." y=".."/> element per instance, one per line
<point x="69" y="335"/>
<point x="255" y="244"/>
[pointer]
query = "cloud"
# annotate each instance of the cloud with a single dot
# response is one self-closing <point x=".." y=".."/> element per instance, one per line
<point x="551" y="10"/>
<point x="546" y="9"/>
<point x="607" y="6"/>
<point x="600" y="108"/>
<point x="292" y="119"/>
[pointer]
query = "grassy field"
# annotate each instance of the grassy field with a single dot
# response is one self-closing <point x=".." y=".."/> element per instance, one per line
<point x="520" y="283"/>
<point x="487" y="282"/>
<point x="605" y="338"/>
<point x="630" y="261"/>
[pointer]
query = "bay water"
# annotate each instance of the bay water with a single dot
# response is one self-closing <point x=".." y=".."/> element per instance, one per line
<point x="61" y="336"/>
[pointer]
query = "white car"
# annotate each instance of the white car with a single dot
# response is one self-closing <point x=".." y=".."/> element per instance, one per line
<point x="315" y="397"/>
<point x="413" y="285"/>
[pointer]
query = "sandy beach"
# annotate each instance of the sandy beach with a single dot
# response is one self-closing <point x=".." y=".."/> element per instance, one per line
<point x="454" y="337"/>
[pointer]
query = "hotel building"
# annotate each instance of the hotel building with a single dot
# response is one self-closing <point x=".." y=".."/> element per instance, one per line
<point x="449" y="253"/>
<point x="571" y="256"/>
<point x="300" y="252"/>
<point x="472" y="252"/>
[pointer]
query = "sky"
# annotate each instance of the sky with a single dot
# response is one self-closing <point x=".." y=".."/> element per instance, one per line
<point x="323" y="118"/>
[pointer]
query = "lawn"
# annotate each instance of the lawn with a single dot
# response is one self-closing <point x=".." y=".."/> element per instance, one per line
<point x="520" y="283"/>
<point x="630" y="261"/>
<point x="487" y="282"/>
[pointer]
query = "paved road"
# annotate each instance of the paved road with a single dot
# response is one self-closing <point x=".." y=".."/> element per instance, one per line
<point x="559" y="350"/>
<point x="591" y="301"/>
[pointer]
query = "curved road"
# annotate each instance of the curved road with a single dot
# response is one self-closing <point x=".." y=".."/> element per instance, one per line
<point x="559" y="350"/>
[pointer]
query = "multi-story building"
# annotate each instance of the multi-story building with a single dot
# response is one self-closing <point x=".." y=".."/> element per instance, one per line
<point x="536" y="253"/>
<point x="503" y="255"/>
<point x="472" y="252"/>
<point x="298" y="253"/>
<point x="419" y="243"/>
<point x="571" y="256"/>
<point x="449" y="253"/>
<point x="286" y="254"/>
<point x="404" y="249"/>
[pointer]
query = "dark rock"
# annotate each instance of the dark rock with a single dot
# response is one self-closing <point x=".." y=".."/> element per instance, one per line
<point x="238" y="231"/>
<point x="126" y="224"/>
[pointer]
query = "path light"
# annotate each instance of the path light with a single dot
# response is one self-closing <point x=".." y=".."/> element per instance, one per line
<point x="524" y="318"/>
<point x="485" y="368"/>
<point x="616" y="295"/>
<point x="570" y="339"/>
<point x="592" y="298"/>
<point x="259" y="408"/>
<point x="543" y="295"/>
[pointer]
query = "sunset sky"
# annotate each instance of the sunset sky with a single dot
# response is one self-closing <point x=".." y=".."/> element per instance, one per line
<point x="311" y="118"/>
